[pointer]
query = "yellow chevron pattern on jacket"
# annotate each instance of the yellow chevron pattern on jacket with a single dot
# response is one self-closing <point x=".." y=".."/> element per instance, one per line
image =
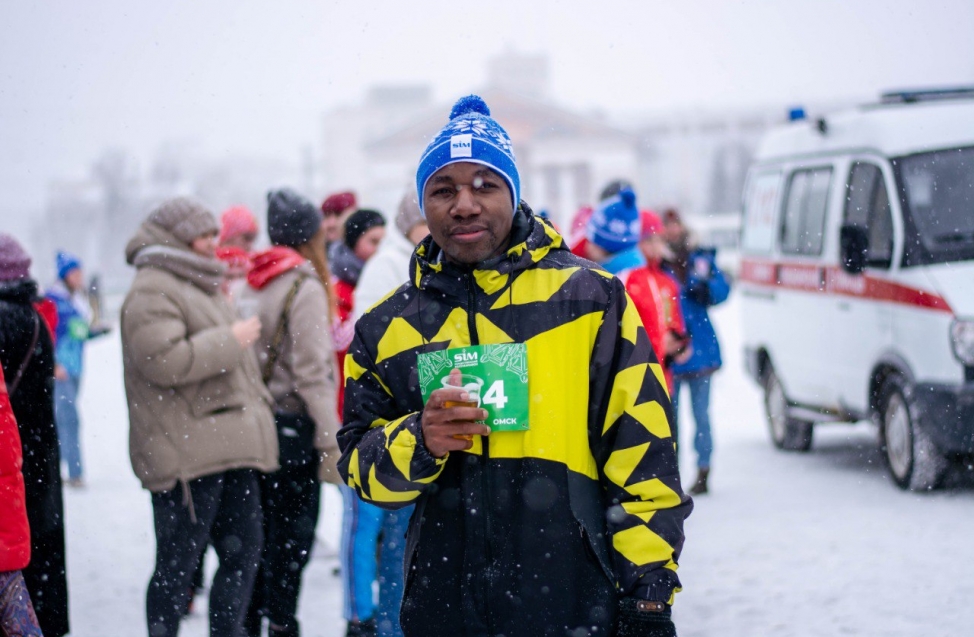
<point x="598" y="403"/>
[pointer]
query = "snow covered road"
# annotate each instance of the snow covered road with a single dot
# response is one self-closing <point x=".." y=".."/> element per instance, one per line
<point x="784" y="545"/>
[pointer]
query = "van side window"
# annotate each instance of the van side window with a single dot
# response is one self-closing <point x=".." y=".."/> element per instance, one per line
<point x="803" y="222"/>
<point x="867" y="206"/>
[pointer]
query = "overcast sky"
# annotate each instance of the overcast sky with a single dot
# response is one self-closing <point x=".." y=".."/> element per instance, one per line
<point x="253" y="76"/>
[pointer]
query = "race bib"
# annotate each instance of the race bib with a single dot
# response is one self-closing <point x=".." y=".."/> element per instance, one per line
<point x="495" y="376"/>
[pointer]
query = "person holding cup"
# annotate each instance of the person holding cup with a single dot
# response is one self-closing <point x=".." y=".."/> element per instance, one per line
<point x="201" y="429"/>
<point x="573" y="525"/>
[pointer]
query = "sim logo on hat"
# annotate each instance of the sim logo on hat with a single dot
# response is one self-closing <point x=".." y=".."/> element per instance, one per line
<point x="461" y="146"/>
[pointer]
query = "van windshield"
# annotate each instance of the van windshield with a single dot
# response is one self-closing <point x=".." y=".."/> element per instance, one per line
<point x="937" y="194"/>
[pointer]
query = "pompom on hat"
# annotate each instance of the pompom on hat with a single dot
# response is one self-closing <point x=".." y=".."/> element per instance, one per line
<point x="471" y="136"/>
<point x="615" y="225"/>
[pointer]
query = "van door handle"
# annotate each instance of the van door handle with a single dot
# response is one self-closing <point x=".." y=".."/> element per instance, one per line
<point x="844" y="306"/>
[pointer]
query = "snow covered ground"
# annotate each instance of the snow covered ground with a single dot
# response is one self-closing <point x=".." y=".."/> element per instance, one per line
<point x="784" y="545"/>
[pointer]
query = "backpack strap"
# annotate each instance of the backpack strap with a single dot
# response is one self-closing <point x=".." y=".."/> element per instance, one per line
<point x="278" y="339"/>
<point x="12" y="385"/>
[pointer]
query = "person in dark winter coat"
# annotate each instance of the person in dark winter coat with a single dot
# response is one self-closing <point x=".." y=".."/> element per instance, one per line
<point x="25" y="344"/>
<point x="574" y="526"/>
<point x="702" y="285"/>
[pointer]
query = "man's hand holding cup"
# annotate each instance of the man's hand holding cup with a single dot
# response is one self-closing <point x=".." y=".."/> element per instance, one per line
<point x="450" y="418"/>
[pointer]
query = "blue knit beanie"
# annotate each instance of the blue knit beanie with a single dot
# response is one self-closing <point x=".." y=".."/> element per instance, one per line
<point x="615" y="225"/>
<point x="65" y="263"/>
<point x="472" y="136"/>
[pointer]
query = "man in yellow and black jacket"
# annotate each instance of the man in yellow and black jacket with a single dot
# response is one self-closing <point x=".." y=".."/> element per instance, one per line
<point x="572" y="527"/>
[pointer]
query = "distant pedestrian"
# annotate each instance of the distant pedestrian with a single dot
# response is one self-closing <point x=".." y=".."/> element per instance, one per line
<point x="656" y="296"/>
<point x="290" y="283"/>
<point x="201" y="427"/>
<point x="238" y="232"/>
<point x="702" y="285"/>
<point x="364" y="230"/>
<point x="17" y="617"/>
<point x="336" y="208"/>
<point x="612" y="233"/>
<point x="27" y="357"/>
<point x="74" y="329"/>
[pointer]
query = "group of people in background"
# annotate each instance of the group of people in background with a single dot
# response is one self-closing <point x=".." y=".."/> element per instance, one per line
<point x="673" y="282"/>
<point x="233" y="366"/>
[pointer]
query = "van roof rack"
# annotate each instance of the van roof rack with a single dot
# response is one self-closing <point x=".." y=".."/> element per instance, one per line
<point x="927" y="95"/>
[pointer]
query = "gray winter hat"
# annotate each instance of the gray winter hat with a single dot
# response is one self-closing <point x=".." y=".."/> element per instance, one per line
<point x="185" y="218"/>
<point x="292" y="220"/>
<point x="409" y="214"/>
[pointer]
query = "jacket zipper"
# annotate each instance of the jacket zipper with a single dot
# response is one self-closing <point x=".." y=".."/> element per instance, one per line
<point x="485" y="456"/>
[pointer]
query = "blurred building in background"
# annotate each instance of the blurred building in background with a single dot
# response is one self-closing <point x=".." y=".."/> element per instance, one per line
<point x="695" y="161"/>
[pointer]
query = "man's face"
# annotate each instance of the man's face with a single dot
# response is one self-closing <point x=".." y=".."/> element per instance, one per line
<point x="469" y="211"/>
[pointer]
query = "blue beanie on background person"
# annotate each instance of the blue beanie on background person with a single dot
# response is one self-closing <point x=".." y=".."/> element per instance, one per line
<point x="472" y="136"/>
<point x="65" y="263"/>
<point x="615" y="225"/>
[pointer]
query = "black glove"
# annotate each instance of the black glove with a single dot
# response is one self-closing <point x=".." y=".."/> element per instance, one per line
<point x="699" y="291"/>
<point x="639" y="618"/>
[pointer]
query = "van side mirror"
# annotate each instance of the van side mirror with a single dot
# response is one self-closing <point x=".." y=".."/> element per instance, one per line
<point x="853" y="246"/>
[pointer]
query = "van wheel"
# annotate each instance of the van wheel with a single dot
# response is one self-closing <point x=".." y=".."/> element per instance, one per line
<point x="787" y="433"/>
<point x="914" y="461"/>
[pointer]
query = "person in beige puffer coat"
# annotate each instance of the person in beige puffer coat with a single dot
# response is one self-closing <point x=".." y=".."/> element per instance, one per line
<point x="289" y="286"/>
<point x="201" y="426"/>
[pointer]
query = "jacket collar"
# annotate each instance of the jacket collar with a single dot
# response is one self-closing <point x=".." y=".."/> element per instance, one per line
<point x="532" y="238"/>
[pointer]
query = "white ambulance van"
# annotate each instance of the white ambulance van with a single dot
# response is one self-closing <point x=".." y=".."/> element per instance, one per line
<point x="857" y="278"/>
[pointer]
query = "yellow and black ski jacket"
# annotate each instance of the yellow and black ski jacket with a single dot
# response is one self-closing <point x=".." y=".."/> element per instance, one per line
<point x="537" y="532"/>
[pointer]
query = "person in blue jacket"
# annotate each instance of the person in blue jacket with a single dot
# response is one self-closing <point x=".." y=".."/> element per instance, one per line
<point x="702" y="285"/>
<point x="73" y="330"/>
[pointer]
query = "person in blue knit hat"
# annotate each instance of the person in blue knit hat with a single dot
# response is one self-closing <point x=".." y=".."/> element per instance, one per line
<point x="73" y="330"/>
<point x="570" y="523"/>
<point x="614" y="228"/>
<point x="473" y="137"/>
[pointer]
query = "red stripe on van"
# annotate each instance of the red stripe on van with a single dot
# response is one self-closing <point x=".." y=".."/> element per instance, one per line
<point x="835" y="280"/>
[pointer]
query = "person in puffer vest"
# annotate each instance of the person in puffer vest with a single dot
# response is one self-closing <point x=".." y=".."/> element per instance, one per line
<point x="574" y="526"/>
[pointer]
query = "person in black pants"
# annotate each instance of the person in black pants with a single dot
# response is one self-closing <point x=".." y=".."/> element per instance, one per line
<point x="228" y="514"/>
<point x="291" y="287"/>
<point x="200" y="420"/>
<point x="291" y="499"/>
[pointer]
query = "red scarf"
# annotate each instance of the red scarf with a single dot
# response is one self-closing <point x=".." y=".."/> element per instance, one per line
<point x="271" y="263"/>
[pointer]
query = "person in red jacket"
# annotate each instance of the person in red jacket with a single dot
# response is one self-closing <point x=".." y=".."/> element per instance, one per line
<point x="656" y="296"/>
<point x="17" y="617"/>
